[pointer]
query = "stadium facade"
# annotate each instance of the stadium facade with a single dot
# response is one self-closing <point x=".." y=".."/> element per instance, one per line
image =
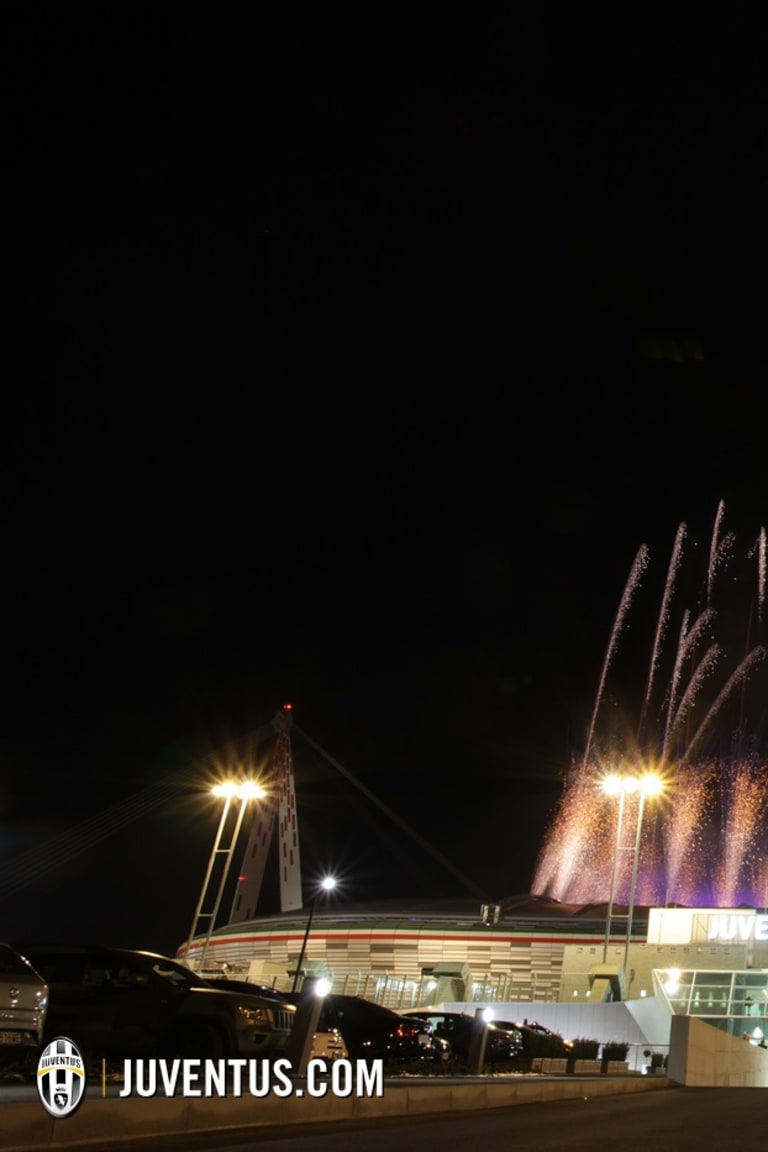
<point x="527" y="954"/>
<point x="707" y="962"/>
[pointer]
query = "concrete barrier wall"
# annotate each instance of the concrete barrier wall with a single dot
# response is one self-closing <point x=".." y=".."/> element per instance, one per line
<point x="702" y="1056"/>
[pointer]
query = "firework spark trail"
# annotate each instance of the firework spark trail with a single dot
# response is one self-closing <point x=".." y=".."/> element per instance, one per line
<point x="713" y="551"/>
<point x="685" y="647"/>
<point x="555" y="864"/>
<point x="585" y="843"/>
<point x="733" y="681"/>
<point x="633" y="580"/>
<point x="575" y="839"/>
<point x="761" y="567"/>
<point x="743" y="810"/>
<point x="682" y="831"/>
<point x="724" y="550"/>
<point x="704" y="668"/>
<point x="650" y="881"/>
<point x="674" y="567"/>
<point x="759" y="866"/>
<point x="712" y="838"/>
<point x="673" y="691"/>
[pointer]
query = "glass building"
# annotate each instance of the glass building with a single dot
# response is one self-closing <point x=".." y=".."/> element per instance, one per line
<point x="736" y="1001"/>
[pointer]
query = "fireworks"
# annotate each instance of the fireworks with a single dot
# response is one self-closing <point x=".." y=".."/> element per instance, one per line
<point x="700" y="724"/>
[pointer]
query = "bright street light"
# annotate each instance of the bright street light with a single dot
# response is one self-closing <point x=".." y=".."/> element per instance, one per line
<point x="229" y="790"/>
<point x="326" y="885"/>
<point x="648" y="784"/>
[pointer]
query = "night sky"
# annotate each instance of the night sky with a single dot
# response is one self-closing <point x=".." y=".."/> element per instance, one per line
<point x="347" y="364"/>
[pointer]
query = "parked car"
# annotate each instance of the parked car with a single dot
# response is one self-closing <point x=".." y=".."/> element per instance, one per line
<point x="327" y="1044"/>
<point x="233" y="984"/>
<point x="23" y="1005"/>
<point x="503" y="1042"/>
<point x="538" y="1040"/>
<point x="118" y="1003"/>
<point x="372" y="1032"/>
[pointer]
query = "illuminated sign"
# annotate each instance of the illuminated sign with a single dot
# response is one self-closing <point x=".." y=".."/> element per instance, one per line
<point x="737" y="926"/>
<point x="673" y="926"/>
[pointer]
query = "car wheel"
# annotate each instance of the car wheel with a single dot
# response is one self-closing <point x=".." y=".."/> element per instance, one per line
<point x="196" y="1042"/>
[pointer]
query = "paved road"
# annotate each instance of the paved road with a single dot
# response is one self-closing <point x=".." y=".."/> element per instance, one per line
<point x="672" y="1120"/>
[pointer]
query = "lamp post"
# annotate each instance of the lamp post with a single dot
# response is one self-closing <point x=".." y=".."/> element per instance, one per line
<point x="612" y="786"/>
<point x="248" y="790"/>
<point x="622" y="786"/>
<point x="325" y="885"/>
<point x="650" y="785"/>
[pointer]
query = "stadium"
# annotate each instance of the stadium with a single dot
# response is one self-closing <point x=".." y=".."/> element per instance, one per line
<point x="610" y="971"/>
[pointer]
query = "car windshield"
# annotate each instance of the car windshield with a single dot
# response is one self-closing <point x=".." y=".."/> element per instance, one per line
<point x="136" y="968"/>
<point x="177" y="974"/>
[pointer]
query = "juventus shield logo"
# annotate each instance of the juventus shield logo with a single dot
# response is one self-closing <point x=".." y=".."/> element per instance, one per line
<point x="61" y="1077"/>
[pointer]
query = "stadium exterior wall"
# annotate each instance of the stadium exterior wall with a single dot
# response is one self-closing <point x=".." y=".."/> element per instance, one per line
<point x="390" y="954"/>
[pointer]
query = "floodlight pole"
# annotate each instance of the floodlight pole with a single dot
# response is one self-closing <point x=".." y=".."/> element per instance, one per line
<point x="614" y="869"/>
<point x="633" y="885"/>
<point x="222" y="882"/>
<point x="211" y="861"/>
<point x="244" y="792"/>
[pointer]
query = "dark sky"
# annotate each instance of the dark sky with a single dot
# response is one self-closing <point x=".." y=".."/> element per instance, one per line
<point x="348" y="363"/>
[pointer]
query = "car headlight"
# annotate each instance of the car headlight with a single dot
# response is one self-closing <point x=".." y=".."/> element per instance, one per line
<point x="254" y="1015"/>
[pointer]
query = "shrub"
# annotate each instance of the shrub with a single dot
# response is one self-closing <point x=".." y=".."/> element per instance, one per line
<point x="615" y="1050"/>
<point x="582" y="1049"/>
<point x="545" y="1044"/>
<point x="555" y="1047"/>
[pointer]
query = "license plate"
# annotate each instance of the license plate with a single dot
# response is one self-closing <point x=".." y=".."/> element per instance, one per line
<point x="10" y="1037"/>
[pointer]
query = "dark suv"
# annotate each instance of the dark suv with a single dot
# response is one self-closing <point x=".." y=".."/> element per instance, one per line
<point x="538" y="1040"/>
<point x="504" y="1041"/>
<point x="118" y="1003"/>
<point x="372" y="1032"/>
